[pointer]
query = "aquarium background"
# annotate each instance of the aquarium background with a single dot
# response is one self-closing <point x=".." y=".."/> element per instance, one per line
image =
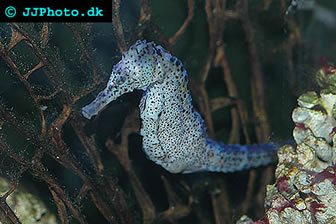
<point x="247" y="63"/>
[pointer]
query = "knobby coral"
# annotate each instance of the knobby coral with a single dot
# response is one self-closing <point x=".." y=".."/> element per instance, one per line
<point x="305" y="187"/>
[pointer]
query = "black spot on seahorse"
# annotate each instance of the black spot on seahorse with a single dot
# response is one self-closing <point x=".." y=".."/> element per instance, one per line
<point x="172" y="59"/>
<point x="158" y="51"/>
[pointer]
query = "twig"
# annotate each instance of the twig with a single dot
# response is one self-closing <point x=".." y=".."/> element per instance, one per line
<point x="48" y="97"/>
<point x="176" y="209"/>
<point x="49" y="69"/>
<point x="250" y="190"/>
<point x="62" y="212"/>
<point x="232" y="91"/>
<point x="61" y="155"/>
<point x="4" y="55"/>
<point x="7" y="216"/>
<point x="84" y="50"/>
<point x="37" y="169"/>
<point x="257" y="91"/>
<point x="44" y="37"/>
<point x="120" y="204"/>
<point x="82" y="193"/>
<point x="39" y="65"/>
<point x="293" y="39"/>
<point x="9" y="192"/>
<point x="59" y="152"/>
<point x="205" y="108"/>
<point x="220" y="102"/>
<point x="89" y="145"/>
<point x="121" y="151"/>
<point x="180" y="31"/>
<point x="257" y="87"/>
<point x="145" y="14"/>
<point x="220" y="204"/>
<point x="117" y="26"/>
<point x="15" y="39"/>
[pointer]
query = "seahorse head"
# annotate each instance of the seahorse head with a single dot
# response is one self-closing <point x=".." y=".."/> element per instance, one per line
<point x="139" y="67"/>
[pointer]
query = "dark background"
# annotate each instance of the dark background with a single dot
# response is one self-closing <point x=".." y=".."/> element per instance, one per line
<point x="291" y="47"/>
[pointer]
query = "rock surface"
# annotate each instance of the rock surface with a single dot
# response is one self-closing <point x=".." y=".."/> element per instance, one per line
<point x="305" y="187"/>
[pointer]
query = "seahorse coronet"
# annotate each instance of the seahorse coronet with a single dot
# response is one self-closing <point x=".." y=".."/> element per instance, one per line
<point x="174" y="135"/>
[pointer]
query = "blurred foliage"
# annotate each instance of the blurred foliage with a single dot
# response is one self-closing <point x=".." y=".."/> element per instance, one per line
<point x="48" y="71"/>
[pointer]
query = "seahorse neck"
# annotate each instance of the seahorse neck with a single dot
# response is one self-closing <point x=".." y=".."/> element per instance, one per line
<point x="175" y="85"/>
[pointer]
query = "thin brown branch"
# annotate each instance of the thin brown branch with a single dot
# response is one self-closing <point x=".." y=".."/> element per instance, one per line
<point x="89" y="145"/>
<point x="7" y="216"/>
<point x="82" y="193"/>
<point x="180" y="31"/>
<point x="66" y="160"/>
<point x="220" y="204"/>
<point x="15" y="39"/>
<point x="250" y="190"/>
<point x="294" y="38"/>
<point x="117" y="26"/>
<point x="121" y="151"/>
<point x="87" y="91"/>
<point x="257" y="86"/>
<point x="103" y="207"/>
<point x="215" y="19"/>
<point x="159" y="35"/>
<point x="267" y="177"/>
<point x="48" y="67"/>
<point x="37" y="169"/>
<point x="59" y="152"/>
<point x="14" y="123"/>
<point x="119" y="202"/>
<point x="215" y="31"/>
<point x="232" y="91"/>
<point x="144" y="19"/>
<point x="84" y="50"/>
<point x="39" y="65"/>
<point x="4" y="55"/>
<point x="10" y="152"/>
<point x="57" y="125"/>
<point x="220" y="102"/>
<point x="262" y="126"/>
<point x="48" y="97"/>
<point x="176" y="209"/>
<point x="228" y="14"/>
<point x="145" y="12"/>
<point x="44" y="37"/>
<point x="61" y="155"/>
<point x="9" y="192"/>
<point x="61" y="208"/>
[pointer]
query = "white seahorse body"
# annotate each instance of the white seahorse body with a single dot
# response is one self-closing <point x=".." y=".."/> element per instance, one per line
<point x="173" y="132"/>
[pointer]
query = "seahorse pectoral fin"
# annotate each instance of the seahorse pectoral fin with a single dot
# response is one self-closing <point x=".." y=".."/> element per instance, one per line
<point x="142" y="104"/>
<point x="152" y="104"/>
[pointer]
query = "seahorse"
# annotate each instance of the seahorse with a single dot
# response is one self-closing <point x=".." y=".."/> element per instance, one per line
<point x="174" y="134"/>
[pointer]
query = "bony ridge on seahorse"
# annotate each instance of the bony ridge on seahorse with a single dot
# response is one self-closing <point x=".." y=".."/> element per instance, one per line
<point x="173" y="132"/>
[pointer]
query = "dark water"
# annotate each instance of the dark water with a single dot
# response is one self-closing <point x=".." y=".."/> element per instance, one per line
<point x="291" y="45"/>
